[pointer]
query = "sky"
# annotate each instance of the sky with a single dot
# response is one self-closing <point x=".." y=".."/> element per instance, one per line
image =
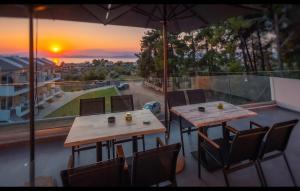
<point x="57" y="38"/>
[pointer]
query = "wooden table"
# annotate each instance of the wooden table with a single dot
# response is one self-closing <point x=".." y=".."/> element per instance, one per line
<point x="211" y="116"/>
<point x="96" y="129"/>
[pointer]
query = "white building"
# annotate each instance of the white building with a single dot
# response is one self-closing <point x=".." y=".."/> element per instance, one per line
<point x="14" y="89"/>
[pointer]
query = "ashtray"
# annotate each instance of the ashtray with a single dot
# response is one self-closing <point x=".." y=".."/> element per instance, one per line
<point x="146" y="122"/>
<point x="202" y="109"/>
<point x="111" y="119"/>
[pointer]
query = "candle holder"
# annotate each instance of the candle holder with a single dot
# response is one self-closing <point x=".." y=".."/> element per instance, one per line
<point x="202" y="109"/>
<point x="111" y="120"/>
<point x="220" y="106"/>
<point x="128" y="117"/>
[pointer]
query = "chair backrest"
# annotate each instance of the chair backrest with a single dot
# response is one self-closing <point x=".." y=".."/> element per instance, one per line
<point x="155" y="165"/>
<point x="246" y="145"/>
<point x="106" y="173"/>
<point x="278" y="136"/>
<point x="92" y="106"/>
<point x="196" y="96"/>
<point x="121" y="103"/>
<point x="176" y="98"/>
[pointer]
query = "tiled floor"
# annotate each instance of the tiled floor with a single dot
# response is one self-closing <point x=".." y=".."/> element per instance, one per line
<point x="51" y="157"/>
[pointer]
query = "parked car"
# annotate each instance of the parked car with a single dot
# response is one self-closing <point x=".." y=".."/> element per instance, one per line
<point x="153" y="106"/>
<point x="123" y="86"/>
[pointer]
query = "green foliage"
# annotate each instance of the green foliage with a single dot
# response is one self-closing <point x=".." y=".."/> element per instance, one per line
<point x="234" y="66"/>
<point x="238" y="44"/>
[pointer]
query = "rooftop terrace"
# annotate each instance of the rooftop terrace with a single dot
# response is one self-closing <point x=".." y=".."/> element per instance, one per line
<point x="51" y="157"/>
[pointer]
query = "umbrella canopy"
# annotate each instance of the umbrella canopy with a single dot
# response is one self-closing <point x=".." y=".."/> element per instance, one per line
<point x="180" y="17"/>
<point x="69" y="12"/>
<point x="173" y="18"/>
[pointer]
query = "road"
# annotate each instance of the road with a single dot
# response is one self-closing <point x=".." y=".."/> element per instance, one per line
<point x="141" y="95"/>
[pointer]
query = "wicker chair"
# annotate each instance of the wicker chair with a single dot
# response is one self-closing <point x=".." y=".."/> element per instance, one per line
<point x="275" y="144"/>
<point x="121" y="104"/>
<point x="91" y="106"/>
<point x="177" y="98"/>
<point x="244" y="148"/>
<point x="108" y="173"/>
<point x="154" y="166"/>
<point x="196" y="96"/>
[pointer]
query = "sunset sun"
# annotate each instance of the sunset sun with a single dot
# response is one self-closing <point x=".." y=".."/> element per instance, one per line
<point x="55" y="49"/>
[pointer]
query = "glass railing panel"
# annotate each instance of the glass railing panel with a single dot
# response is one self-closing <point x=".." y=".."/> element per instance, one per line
<point x="14" y="133"/>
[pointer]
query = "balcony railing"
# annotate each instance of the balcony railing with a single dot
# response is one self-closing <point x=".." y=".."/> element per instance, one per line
<point x="236" y="88"/>
<point x="14" y="89"/>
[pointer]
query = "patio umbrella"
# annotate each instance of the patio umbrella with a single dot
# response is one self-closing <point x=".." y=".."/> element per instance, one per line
<point x="175" y="18"/>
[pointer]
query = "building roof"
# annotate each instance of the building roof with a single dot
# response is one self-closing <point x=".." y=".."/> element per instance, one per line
<point x="5" y="66"/>
<point x="10" y="63"/>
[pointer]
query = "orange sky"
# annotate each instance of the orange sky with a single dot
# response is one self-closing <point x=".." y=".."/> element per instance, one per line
<point x="66" y="36"/>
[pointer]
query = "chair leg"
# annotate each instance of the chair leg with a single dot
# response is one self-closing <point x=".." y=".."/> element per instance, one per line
<point x="113" y="148"/>
<point x="259" y="173"/>
<point x="78" y="151"/>
<point x="199" y="158"/>
<point x="174" y="183"/>
<point x="108" y="149"/>
<point x="169" y="127"/>
<point x="166" y="138"/>
<point x="262" y="173"/>
<point x="290" y="170"/>
<point x="225" y="177"/>
<point x="181" y="136"/>
<point x="144" y="147"/>
<point x="73" y="152"/>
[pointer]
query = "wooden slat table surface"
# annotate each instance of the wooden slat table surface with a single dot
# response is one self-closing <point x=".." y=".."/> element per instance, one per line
<point x="95" y="128"/>
<point x="212" y="114"/>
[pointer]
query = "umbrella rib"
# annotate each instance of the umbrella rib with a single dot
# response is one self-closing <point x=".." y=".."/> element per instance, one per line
<point x="125" y="12"/>
<point x="161" y="12"/>
<point x="112" y="8"/>
<point x="248" y="7"/>
<point x="197" y="15"/>
<point x="145" y="13"/>
<point x="100" y="5"/>
<point x="91" y="13"/>
<point x="116" y="7"/>
<point x="177" y="25"/>
<point x="50" y="11"/>
<point x="180" y="12"/>
<point x="149" y="18"/>
<point x="172" y="11"/>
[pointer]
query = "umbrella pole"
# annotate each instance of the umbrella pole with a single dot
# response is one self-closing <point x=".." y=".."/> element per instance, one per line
<point x="165" y="80"/>
<point x="31" y="97"/>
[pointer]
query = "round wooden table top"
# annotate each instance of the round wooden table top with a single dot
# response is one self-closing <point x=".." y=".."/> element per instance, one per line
<point x="180" y="164"/>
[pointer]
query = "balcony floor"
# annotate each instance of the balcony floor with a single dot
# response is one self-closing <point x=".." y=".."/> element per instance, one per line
<point x="51" y="157"/>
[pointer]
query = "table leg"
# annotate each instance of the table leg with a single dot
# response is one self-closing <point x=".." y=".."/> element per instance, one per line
<point x="99" y="151"/>
<point x="225" y="136"/>
<point x="73" y="158"/>
<point x="134" y="144"/>
<point x="202" y="152"/>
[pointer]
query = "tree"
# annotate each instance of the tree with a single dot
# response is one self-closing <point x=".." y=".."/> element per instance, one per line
<point x="238" y="44"/>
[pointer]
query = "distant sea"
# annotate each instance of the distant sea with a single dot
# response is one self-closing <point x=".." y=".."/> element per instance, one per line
<point x="82" y="60"/>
